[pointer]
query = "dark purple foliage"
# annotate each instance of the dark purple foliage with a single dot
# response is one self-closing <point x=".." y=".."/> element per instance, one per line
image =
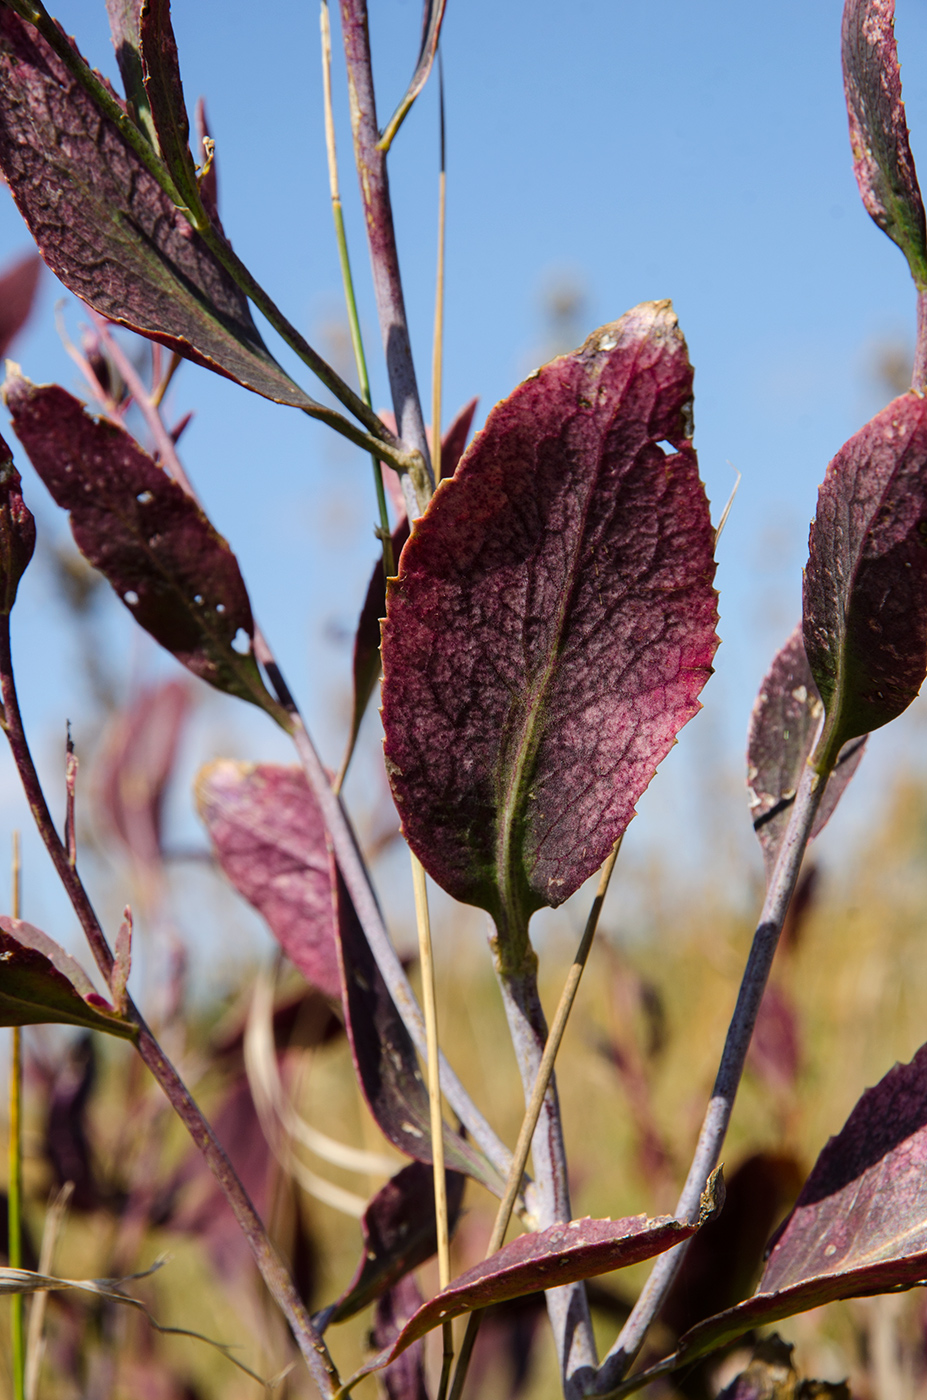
<point x="404" y="1379"/>
<point x="784" y="724"/>
<point x="174" y="572"/>
<point x="17" y="530"/>
<point x="164" y="90"/>
<point x="882" y="159"/>
<point x="398" y="1234"/>
<point x="269" y="837"/>
<point x="40" y="984"/>
<point x="561" y="1254"/>
<point x="552" y="623"/>
<point x="865" y="588"/>
<point x="385" y="1060"/>
<point x="860" y="1223"/>
<point x="107" y="229"/>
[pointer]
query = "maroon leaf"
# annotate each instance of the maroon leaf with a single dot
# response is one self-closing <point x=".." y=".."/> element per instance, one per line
<point x="18" y="286"/>
<point x="174" y="572"/>
<point x="783" y="727"/>
<point x="860" y="1223"/>
<point x="561" y="1254"/>
<point x="137" y="762"/>
<point x="775" y="1050"/>
<point x="367" y="640"/>
<point x="398" y="1230"/>
<point x="108" y="230"/>
<point x="882" y="159"/>
<point x="269" y="837"/>
<point x="161" y="68"/>
<point x="552" y="623"/>
<point x="405" y="1378"/>
<point x="385" y="1060"/>
<point x="865" y="588"/>
<point x="39" y="985"/>
<point x="17" y="531"/>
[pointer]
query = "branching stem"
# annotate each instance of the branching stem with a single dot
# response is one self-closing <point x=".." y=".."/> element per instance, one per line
<point x="717" y="1117"/>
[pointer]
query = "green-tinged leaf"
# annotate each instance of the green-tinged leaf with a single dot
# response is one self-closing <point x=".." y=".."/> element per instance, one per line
<point x="125" y="27"/>
<point x="161" y="68"/>
<point x="882" y="159"/>
<point x="865" y="588"/>
<point x="552" y="624"/>
<point x="108" y="230"/>
<point x="33" y="992"/>
<point x="174" y="572"/>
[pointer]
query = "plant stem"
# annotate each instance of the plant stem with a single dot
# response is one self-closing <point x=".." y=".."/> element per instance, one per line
<point x="919" y="377"/>
<point x="532" y="1112"/>
<point x="567" y="1307"/>
<point x="429" y="1003"/>
<point x="344" y="842"/>
<point x="717" y="1117"/>
<point x="272" y="1268"/>
<point x="15" y="1189"/>
<point x="381" y="238"/>
<point x="54" y="1217"/>
<point x="360" y="360"/>
<point x="437" y="358"/>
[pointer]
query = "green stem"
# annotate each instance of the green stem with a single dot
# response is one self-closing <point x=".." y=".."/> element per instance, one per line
<point x="384" y="533"/>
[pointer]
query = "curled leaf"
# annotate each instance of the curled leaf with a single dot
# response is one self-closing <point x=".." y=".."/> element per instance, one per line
<point x="17" y="530"/>
<point x="552" y="624"/>
<point x="107" y="229"/>
<point x="882" y="159"/>
<point x="865" y="587"/>
<point x="398" y="1229"/>
<point x="784" y="725"/>
<point x="41" y="985"/>
<point x="161" y="69"/>
<point x="385" y="1060"/>
<point x="860" y="1223"/>
<point x="174" y="572"/>
<point x="432" y="16"/>
<point x="561" y="1254"/>
<point x="268" y="834"/>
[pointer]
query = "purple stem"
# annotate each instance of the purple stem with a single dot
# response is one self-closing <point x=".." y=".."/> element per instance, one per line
<point x="567" y="1307"/>
<point x="273" y="1270"/>
<point x="919" y="377"/>
<point x="718" y="1115"/>
<point x="381" y="239"/>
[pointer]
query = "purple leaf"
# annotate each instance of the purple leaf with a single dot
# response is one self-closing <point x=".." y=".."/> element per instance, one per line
<point x="367" y="640"/>
<point x="882" y="160"/>
<point x="783" y="728"/>
<point x="865" y="587"/>
<point x="108" y="230"/>
<point x="860" y="1223"/>
<point x="138" y="759"/>
<point x="405" y="1378"/>
<point x="552" y="623"/>
<point x="18" y="286"/>
<point x="775" y="1050"/>
<point x="161" y="68"/>
<point x="34" y="991"/>
<point x="17" y="531"/>
<point x="385" y="1060"/>
<point x="125" y="18"/>
<point x="268" y="834"/>
<point x="174" y="572"/>
<point x="561" y="1254"/>
<point x="398" y="1230"/>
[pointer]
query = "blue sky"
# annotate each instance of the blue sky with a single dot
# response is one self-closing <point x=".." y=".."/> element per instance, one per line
<point x="625" y="151"/>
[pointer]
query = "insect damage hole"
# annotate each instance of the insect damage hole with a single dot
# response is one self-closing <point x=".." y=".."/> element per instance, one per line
<point x="666" y="447"/>
<point x="131" y="597"/>
<point x="241" y="642"/>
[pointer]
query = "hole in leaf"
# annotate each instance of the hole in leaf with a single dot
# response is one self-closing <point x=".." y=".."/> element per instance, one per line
<point x="241" y="642"/>
<point x="197" y="598"/>
<point x="144" y="498"/>
<point x="667" y="448"/>
<point x="220" y="607"/>
<point x="130" y="597"/>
